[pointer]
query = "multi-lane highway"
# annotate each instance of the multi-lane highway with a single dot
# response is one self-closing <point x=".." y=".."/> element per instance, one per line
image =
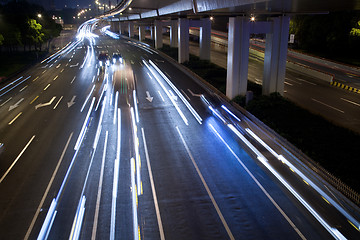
<point x="337" y="105"/>
<point x="140" y="150"/>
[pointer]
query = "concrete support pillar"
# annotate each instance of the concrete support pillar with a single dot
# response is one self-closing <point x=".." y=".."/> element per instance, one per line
<point x="158" y="34"/>
<point x="131" y="29"/>
<point x="205" y="38"/>
<point x="183" y="35"/>
<point x="275" y="56"/>
<point x="141" y="33"/>
<point x="121" y="28"/>
<point x="152" y="32"/>
<point x="174" y="34"/>
<point x="238" y="56"/>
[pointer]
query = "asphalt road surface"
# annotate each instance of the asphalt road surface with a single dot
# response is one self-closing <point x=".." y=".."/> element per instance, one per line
<point x="132" y="151"/>
<point x="339" y="106"/>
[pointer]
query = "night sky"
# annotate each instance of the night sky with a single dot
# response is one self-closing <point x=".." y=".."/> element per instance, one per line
<point x="60" y="4"/>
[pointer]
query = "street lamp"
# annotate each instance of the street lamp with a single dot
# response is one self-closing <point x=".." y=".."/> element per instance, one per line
<point x="39" y="15"/>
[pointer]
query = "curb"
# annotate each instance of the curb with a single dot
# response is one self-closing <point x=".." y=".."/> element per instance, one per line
<point x="345" y="87"/>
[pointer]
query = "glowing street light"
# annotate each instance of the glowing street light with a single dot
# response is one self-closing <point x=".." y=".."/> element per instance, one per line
<point x="39" y="15"/>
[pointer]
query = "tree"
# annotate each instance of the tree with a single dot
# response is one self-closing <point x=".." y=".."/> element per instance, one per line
<point x="34" y="33"/>
<point x="330" y="34"/>
<point x="12" y="36"/>
<point x="1" y="39"/>
<point x="21" y="16"/>
<point x="355" y="31"/>
<point x="50" y="29"/>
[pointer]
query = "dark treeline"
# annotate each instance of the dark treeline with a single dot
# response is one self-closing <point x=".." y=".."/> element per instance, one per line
<point x="25" y="27"/>
<point x="333" y="34"/>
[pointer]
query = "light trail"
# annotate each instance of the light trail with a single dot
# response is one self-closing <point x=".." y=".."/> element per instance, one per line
<point x="17" y="159"/>
<point x="156" y="204"/>
<point x="137" y="155"/>
<point x="134" y="201"/>
<point x="187" y="104"/>
<point x="135" y="106"/>
<point x="168" y="94"/>
<point x="97" y="208"/>
<point x="83" y="129"/>
<point x="306" y="180"/>
<point x="46" y="193"/>
<point x="333" y="231"/>
<point x="87" y="98"/>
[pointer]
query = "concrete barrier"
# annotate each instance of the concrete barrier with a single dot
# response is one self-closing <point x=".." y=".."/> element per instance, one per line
<point x="310" y="72"/>
<point x="300" y="68"/>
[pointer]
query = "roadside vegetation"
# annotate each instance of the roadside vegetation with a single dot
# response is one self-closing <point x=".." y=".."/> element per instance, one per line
<point x="26" y="32"/>
<point x="333" y="147"/>
<point x="335" y="35"/>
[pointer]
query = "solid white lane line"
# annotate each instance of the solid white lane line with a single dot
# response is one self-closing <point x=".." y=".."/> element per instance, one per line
<point x="116" y="179"/>
<point x="136" y="147"/>
<point x="185" y="94"/>
<point x="258" y="81"/>
<point x="87" y="99"/>
<point x="149" y="75"/>
<point x="47" y="87"/>
<point x="12" y="121"/>
<point x="327" y="105"/>
<point x="260" y="186"/>
<point x="231" y="236"/>
<point x="292" y="80"/>
<point x="113" y="202"/>
<point x="72" y="80"/>
<point x="82" y="132"/>
<point x="23" y="88"/>
<point x="162" y="98"/>
<point x="58" y="102"/>
<point x="118" y="145"/>
<point x="135" y="106"/>
<point x="97" y="209"/>
<point x="5" y="102"/>
<point x="134" y="201"/>
<point x="346" y="100"/>
<point x="116" y="104"/>
<point x="76" y="227"/>
<point x="187" y="104"/>
<point x="15" y="161"/>
<point x="302" y="80"/>
<point x="47" y="189"/>
<point x="157" y="210"/>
